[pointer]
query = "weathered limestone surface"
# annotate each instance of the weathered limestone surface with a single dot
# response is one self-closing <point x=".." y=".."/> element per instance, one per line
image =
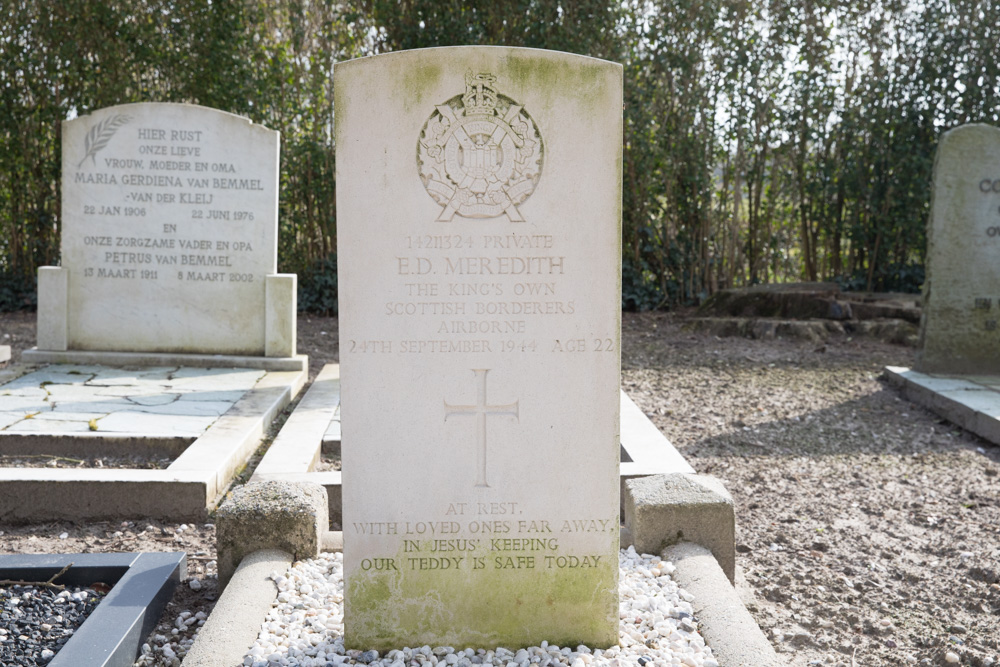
<point x="269" y="515"/>
<point x="661" y="510"/>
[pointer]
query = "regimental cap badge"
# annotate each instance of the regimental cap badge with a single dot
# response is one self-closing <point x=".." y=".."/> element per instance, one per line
<point x="480" y="153"/>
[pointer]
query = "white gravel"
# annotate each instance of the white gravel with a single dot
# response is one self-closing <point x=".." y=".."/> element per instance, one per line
<point x="306" y="624"/>
<point x="171" y="649"/>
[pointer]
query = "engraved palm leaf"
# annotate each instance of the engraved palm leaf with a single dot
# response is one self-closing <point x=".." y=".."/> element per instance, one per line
<point x="100" y="134"/>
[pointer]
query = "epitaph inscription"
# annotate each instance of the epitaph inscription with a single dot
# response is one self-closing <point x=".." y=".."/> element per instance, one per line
<point x="169" y="229"/>
<point x="479" y="315"/>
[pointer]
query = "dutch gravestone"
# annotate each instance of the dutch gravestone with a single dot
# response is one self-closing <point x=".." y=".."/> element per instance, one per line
<point x="169" y="238"/>
<point x="959" y="328"/>
<point x="479" y="208"/>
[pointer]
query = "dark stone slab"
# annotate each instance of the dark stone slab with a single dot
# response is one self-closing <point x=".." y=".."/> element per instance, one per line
<point x="886" y="310"/>
<point x="803" y="301"/>
<point x="798" y="301"/>
<point x="113" y="634"/>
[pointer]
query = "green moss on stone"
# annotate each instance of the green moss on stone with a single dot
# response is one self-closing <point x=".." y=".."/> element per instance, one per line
<point x="553" y="76"/>
<point x="419" y="83"/>
<point x="483" y="608"/>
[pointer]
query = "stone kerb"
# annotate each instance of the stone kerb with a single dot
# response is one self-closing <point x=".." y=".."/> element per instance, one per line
<point x="959" y="329"/>
<point x="723" y="620"/>
<point x="288" y="516"/>
<point x="236" y="619"/>
<point x="970" y="401"/>
<point x="662" y="510"/>
<point x="169" y="239"/>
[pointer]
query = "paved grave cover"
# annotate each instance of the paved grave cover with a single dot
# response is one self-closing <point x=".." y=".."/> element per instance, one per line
<point x="100" y="442"/>
<point x="181" y="402"/>
<point x="479" y="208"/>
<point x="169" y="238"/>
<point x="970" y="401"/>
<point x="959" y="329"/>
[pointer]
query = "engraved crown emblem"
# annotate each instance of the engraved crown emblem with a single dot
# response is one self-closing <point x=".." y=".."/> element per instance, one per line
<point x="480" y="153"/>
<point x="480" y="94"/>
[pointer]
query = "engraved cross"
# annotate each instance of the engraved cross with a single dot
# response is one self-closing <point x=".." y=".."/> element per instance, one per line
<point x="481" y="410"/>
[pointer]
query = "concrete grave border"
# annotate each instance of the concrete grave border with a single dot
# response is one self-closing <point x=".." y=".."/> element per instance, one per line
<point x="262" y="527"/>
<point x="237" y="616"/>
<point x="142" y="585"/>
<point x="723" y="619"/>
<point x="89" y="358"/>
<point x="235" y="622"/>
<point x="184" y="491"/>
<point x="290" y="516"/>
<point x="664" y="502"/>
<point x="969" y="401"/>
<point x="314" y="429"/>
<point x="663" y="510"/>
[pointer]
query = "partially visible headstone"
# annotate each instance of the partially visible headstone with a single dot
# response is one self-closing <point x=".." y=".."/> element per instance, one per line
<point x="4" y="354"/>
<point x="959" y="328"/>
<point x="169" y="237"/>
<point x="479" y="209"/>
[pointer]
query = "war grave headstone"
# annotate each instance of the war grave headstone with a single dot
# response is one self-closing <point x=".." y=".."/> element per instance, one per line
<point x="479" y="209"/>
<point x="167" y="331"/>
<point x="957" y="373"/>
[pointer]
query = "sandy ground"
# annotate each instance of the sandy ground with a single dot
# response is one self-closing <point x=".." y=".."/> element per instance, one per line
<point x="868" y="530"/>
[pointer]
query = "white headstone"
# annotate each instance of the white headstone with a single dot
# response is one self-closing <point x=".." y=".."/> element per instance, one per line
<point x="959" y="328"/>
<point x="479" y="212"/>
<point x="169" y="236"/>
